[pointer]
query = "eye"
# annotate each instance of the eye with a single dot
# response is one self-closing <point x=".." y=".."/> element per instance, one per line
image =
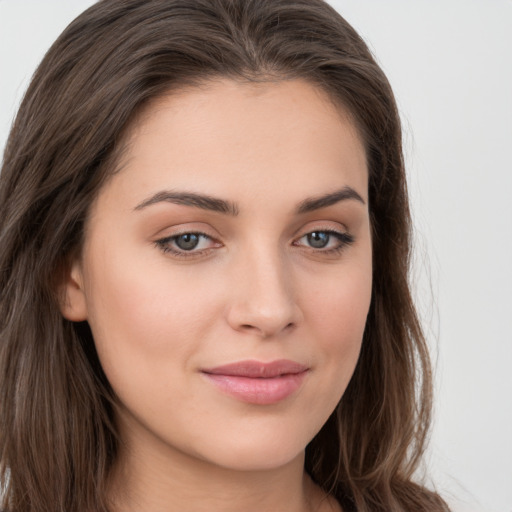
<point x="187" y="244"/>
<point x="325" y="241"/>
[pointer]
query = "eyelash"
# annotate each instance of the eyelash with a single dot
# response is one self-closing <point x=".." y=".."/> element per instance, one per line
<point x="344" y="240"/>
<point x="164" y="245"/>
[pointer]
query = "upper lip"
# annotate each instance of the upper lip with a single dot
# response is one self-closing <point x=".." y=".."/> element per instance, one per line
<point x="258" y="369"/>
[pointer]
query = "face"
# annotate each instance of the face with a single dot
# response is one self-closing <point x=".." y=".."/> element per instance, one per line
<point x="226" y="272"/>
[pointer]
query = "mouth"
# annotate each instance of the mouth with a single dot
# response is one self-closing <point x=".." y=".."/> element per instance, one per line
<point x="256" y="382"/>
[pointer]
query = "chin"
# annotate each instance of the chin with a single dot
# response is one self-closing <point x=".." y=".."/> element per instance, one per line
<point x="262" y="452"/>
<point x="258" y="459"/>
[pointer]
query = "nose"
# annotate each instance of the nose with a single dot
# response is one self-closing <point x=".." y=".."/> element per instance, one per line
<point x="262" y="298"/>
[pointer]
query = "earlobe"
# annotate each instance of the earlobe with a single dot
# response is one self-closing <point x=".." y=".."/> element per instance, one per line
<point x="73" y="304"/>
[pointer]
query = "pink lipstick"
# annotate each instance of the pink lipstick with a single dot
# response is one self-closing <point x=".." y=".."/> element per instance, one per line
<point x="257" y="382"/>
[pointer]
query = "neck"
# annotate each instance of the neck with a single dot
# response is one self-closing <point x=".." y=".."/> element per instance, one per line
<point x="170" y="481"/>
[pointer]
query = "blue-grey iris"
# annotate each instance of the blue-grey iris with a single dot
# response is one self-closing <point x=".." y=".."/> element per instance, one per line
<point x="318" y="239"/>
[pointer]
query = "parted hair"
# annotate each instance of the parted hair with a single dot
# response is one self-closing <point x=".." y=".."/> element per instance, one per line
<point x="58" y="437"/>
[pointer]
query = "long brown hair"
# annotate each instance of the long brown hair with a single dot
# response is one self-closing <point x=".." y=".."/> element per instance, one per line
<point x="58" y="439"/>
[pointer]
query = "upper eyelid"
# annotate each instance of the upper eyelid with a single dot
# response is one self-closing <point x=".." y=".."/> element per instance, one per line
<point x="324" y="229"/>
<point x="173" y="236"/>
<point x="186" y="232"/>
<point x="322" y="225"/>
<point x="172" y="232"/>
<point x="344" y="237"/>
<point x="298" y="234"/>
<point x="328" y="231"/>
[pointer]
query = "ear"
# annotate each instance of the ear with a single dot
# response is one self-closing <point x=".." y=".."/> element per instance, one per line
<point x="73" y="304"/>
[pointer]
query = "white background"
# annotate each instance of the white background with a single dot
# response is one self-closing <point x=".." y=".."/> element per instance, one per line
<point x="450" y="64"/>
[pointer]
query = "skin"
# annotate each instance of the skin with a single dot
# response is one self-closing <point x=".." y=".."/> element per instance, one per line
<point x="253" y="289"/>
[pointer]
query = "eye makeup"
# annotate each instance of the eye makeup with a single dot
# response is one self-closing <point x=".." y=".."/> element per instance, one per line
<point x="192" y="244"/>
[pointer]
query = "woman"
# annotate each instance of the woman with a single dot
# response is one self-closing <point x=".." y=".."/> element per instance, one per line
<point x="205" y="240"/>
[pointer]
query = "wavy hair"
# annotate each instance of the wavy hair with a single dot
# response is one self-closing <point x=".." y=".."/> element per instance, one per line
<point x="58" y="438"/>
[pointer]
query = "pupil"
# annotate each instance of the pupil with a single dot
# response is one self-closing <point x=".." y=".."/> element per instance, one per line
<point x="318" y="239"/>
<point x="188" y="241"/>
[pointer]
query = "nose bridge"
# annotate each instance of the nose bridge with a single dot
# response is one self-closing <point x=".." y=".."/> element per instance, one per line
<point x="263" y="298"/>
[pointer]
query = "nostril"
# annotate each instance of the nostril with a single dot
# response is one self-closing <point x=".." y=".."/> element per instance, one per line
<point x="265" y="333"/>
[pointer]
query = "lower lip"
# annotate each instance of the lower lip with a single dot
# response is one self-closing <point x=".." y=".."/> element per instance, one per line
<point x="260" y="391"/>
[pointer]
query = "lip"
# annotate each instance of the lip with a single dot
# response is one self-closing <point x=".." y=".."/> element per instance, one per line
<point x="258" y="382"/>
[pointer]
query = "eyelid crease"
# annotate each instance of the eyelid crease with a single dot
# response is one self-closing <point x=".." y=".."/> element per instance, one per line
<point x="164" y="245"/>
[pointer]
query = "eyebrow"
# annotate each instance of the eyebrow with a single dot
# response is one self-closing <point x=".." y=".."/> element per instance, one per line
<point x="316" y="203"/>
<point x="206" y="202"/>
<point x="203" y="201"/>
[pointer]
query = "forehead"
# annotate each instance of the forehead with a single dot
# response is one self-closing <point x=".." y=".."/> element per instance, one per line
<point x="226" y="134"/>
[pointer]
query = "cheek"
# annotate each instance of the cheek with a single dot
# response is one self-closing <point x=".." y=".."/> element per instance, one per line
<point x="339" y="307"/>
<point x="145" y="321"/>
<point x="337" y="316"/>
